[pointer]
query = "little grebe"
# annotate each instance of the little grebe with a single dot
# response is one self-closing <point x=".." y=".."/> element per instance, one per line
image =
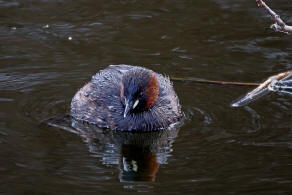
<point x="127" y="98"/>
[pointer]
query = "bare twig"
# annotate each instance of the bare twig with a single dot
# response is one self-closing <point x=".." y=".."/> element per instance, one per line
<point x="279" y="25"/>
<point x="261" y="90"/>
<point x="198" y="80"/>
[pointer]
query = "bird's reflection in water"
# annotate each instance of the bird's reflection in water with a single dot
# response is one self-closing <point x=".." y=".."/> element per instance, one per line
<point x="138" y="163"/>
<point x="138" y="155"/>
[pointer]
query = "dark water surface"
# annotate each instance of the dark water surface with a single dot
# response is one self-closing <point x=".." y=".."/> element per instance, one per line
<point x="218" y="149"/>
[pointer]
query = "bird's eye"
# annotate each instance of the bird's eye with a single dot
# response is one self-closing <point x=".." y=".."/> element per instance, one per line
<point x="135" y="104"/>
<point x="140" y="95"/>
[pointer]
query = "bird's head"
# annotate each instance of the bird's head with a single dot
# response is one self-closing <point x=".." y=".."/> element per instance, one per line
<point x="139" y="90"/>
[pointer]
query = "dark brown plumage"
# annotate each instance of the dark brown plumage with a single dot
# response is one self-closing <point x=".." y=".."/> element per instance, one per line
<point x="127" y="98"/>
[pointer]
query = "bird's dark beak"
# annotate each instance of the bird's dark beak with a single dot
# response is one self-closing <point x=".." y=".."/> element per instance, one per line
<point x="127" y="108"/>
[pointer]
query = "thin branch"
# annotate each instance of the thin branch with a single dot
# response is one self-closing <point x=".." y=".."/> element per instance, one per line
<point x="263" y="89"/>
<point x="198" y="80"/>
<point x="279" y="25"/>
